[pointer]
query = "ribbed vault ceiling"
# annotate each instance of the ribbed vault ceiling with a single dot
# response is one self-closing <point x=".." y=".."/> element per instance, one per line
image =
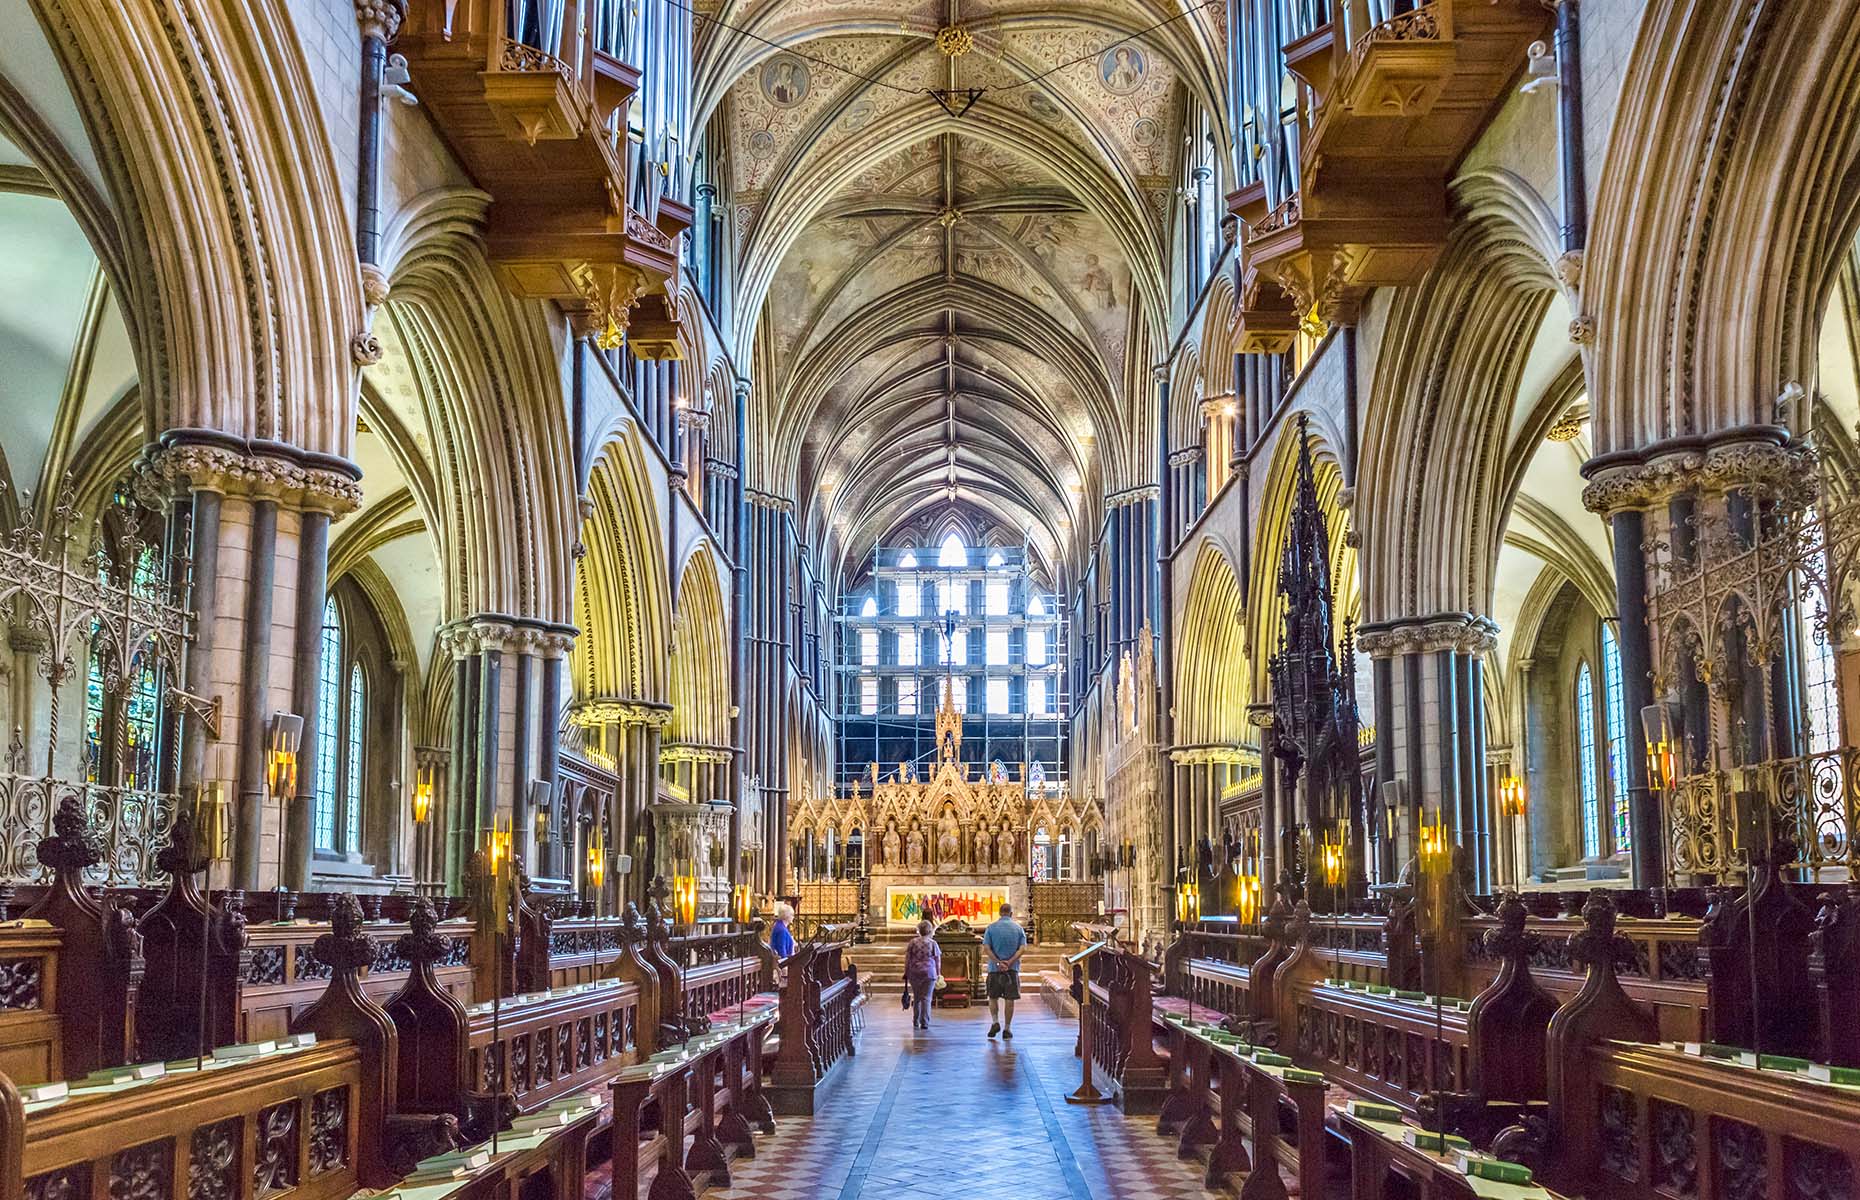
<point x="952" y="311"/>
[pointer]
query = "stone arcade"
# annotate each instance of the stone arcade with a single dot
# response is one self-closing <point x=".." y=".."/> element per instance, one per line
<point x="1345" y="513"/>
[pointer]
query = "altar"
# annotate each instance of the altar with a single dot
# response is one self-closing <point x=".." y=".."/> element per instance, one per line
<point x="955" y="843"/>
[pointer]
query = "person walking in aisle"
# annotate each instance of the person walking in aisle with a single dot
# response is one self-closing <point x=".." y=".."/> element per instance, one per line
<point x="923" y="964"/>
<point x="1004" y="942"/>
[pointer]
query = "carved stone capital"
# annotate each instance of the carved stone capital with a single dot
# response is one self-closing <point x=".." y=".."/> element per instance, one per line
<point x="380" y="18"/>
<point x="190" y="467"/>
<point x="365" y="349"/>
<point x="614" y="710"/>
<point x="375" y="284"/>
<point x="1781" y="472"/>
<point x="1462" y="633"/>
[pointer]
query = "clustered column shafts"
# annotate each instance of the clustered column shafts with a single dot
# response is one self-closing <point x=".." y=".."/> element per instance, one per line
<point x="312" y="592"/>
<point x="255" y="670"/>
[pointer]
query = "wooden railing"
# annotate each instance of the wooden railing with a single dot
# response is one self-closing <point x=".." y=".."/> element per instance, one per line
<point x="283" y="976"/>
<point x="1665" y="1124"/>
<point x="283" y="1127"/>
<point x="819" y="1000"/>
<point x="30" y="1049"/>
<point x="1116" y="1018"/>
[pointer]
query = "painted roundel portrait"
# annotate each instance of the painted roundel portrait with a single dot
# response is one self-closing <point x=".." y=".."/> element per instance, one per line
<point x="785" y="81"/>
<point x="1122" y="69"/>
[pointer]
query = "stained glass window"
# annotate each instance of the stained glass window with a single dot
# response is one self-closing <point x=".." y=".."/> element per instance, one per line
<point x="142" y="725"/>
<point x="1614" y="708"/>
<point x="1819" y="678"/>
<point x="1586" y="767"/>
<point x="147" y="579"/>
<point x="93" y="714"/>
<point x="358" y="697"/>
<point x="328" y="728"/>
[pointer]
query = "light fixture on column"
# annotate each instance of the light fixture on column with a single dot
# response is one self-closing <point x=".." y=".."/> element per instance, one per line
<point x="282" y="745"/>
<point x="542" y="805"/>
<point x="212" y="823"/>
<point x="1511" y="795"/>
<point x="423" y="784"/>
<point x="684" y="899"/>
<point x="1435" y="851"/>
<point x="1394" y="799"/>
<point x="1656" y="721"/>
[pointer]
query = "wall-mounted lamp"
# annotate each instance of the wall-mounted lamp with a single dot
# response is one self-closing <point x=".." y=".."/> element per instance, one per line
<point x="1511" y="795"/>
<point x="542" y="807"/>
<point x="741" y="904"/>
<point x="423" y="787"/>
<point x="1656" y="720"/>
<point x="1330" y="859"/>
<point x="1433" y="847"/>
<point x="212" y="823"/>
<point x="1394" y="800"/>
<point x="282" y="745"/>
<point x="1187" y="902"/>
<point x="684" y="899"/>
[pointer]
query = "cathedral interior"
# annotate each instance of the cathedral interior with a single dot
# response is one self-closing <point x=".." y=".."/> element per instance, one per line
<point x="554" y="553"/>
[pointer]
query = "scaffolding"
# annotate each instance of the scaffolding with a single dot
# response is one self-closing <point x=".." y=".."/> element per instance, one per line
<point x="978" y="623"/>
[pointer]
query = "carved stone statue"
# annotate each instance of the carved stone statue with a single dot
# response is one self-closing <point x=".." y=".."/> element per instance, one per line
<point x="984" y="846"/>
<point x="914" y="849"/>
<point x="894" y="846"/>
<point x="948" y="841"/>
<point x="1004" y="848"/>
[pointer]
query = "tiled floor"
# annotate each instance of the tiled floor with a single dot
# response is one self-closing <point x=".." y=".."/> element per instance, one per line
<point x="949" y="1113"/>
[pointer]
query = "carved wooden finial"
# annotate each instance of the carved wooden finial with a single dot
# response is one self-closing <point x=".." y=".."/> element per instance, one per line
<point x="345" y="947"/>
<point x="73" y="846"/>
<point x="1509" y="939"/>
<point x="422" y="944"/>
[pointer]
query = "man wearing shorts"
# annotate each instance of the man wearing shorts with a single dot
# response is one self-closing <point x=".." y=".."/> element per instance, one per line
<point x="1004" y="942"/>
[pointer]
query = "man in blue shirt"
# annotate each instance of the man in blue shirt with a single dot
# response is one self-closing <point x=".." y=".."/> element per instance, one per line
<point x="1004" y="942"/>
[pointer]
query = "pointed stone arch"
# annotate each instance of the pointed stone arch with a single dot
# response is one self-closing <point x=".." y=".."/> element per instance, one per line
<point x="622" y="598"/>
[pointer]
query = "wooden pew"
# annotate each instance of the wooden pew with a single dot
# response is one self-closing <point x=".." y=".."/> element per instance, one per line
<point x="1663" y="968"/>
<point x="99" y="965"/>
<point x="692" y="1106"/>
<point x="185" y="936"/>
<point x="1118" y="1021"/>
<point x="286" y="1126"/>
<point x="1243" y="1115"/>
<point x="1475" y="1069"/>
<point x="30" y="1000"/>
<point x="819" y="1000"/>
<point x="311" y="1120"/>
<point x="283" y="976"/>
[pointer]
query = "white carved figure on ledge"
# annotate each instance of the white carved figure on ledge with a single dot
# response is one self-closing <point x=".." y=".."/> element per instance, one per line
<point x="894" y="846"/>
<point x="948" y="842"/>
<point x="984" y="846"/>
<point x="914" y="848"/>
<point x="1004" y="854"/>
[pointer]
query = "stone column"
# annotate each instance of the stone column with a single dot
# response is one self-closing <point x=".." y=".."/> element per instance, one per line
<point x="555" y="650"/>
<point x="1441" y="737"/>
<point x="1730" y="482"/>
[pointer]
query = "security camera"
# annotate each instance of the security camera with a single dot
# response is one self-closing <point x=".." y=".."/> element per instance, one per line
<point x="1540" y="71"/>
<point x="394" y="81"/>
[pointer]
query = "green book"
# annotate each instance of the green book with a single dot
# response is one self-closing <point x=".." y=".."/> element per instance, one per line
<point x="1827" y="1074"/>
<point x="1369" y="1110"/>
<point x="1422" y="1139"/>
<point x="1266" y="1058"/>
<point x="1783" y="1062"/>
<point x="1300" y="1075"/>
<point x="1495" y="1169"/>
<point x="1405" y="995"/>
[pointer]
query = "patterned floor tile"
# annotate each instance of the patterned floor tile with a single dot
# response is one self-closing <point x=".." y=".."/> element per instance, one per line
<point x="949" y="1112"/>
